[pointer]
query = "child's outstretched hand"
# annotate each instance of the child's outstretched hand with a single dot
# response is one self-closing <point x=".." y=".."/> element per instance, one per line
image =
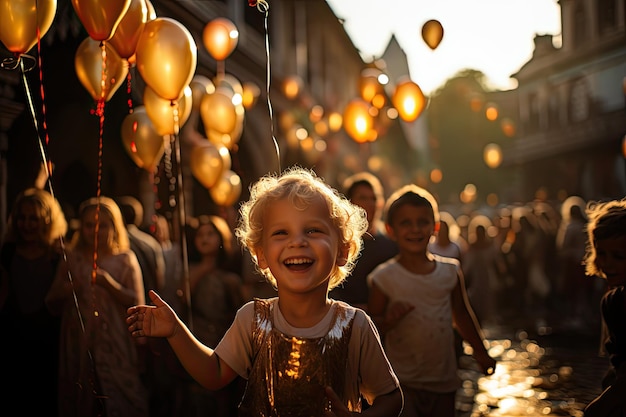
<point x="155" y="321"/>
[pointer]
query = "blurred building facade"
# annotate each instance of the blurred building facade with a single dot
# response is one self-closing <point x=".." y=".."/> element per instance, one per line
<point x="572" y="107"/>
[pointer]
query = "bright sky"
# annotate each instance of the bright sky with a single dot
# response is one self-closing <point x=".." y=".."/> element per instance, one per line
<point x="492" y="36"/>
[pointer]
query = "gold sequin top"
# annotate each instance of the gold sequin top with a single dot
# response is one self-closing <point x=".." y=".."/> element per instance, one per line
<point x="294" y="371"/>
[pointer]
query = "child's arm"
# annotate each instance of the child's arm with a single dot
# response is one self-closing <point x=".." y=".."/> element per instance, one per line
<point x="466" y="323"/>
<point x="385" y="317"/>
<point x="199" y="360"/>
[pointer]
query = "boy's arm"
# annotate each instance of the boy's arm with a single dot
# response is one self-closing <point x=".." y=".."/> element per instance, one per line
<point x="466" y="323"/>
<point x="386" y="316"/>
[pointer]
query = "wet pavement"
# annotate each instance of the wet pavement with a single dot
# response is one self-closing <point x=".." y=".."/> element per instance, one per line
<point x="541" y="371"/>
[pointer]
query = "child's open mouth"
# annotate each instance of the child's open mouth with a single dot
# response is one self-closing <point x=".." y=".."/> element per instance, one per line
<point x="298" y="264"/>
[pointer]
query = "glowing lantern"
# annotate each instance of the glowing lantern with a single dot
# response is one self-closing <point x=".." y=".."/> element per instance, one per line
<point x="292" y="86"/>
<point x="369" y="84"/>
<point x="432" y="33"/>
<point x="491" y="112"/>
<point x="409" y="100"/>
<point x="220" y="37"/>
<point x="358" y="122"/>
<point x="251" y="93"/>
<point x="492" y="155"/>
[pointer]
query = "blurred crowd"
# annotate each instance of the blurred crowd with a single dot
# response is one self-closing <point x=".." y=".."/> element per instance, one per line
<point x="522" y="263"/>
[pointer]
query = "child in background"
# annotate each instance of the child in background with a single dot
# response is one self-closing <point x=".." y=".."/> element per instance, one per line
<point x="99" y="369"/>
<point x="605" y="257"/>
<point x="216" y="295"/>
<point x="415" y="299"/>
<point x="365" y="190"/>
<point x="302" y="353"/>
<point x="30" y="252"/>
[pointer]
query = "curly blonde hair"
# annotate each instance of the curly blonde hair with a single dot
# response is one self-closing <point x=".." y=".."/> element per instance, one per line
<point x="301" y="187"/>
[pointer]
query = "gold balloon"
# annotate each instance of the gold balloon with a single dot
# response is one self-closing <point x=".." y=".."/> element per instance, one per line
<point x="206" y="164"/>
<point x="220" y="37"/>
<point x="141" y="140"/>
<point x="225" y="154"/>
<point x="100" y="18"/>
<point x="129" y="29"/>
<point x="221" y="139"/>
<point x="358" y="122"/>
<point x="409" y="100"/>
<point x="89" y="69"/>
<point x="432" y="33"/>
<point x="19" y="21"/>
<point x="161" y="111"/>
<point x="200" y="86"/>
<point x="218" y="111"/>
<point x="166" y="57"/>
<point x="226" y="191"/>
<point x="229" y="81"/>
<point x="151" y="12"/>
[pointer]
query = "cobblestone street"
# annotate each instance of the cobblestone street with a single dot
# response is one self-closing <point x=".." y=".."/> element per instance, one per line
<point x="540" y="372"/>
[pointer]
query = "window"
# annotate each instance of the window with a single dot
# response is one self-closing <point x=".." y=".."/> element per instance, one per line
<point x="579" y="102"/>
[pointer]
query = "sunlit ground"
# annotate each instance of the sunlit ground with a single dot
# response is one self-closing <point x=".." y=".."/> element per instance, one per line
<point x="525" y="383"/>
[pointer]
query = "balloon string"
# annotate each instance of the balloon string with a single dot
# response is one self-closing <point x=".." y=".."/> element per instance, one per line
<point x="182" y="217"/>
<point x="263" y="6"/>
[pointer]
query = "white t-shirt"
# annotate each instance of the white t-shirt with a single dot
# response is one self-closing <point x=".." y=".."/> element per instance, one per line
<point x="421" y="346"/>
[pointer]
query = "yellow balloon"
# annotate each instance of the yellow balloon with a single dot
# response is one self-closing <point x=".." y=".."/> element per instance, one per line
<point x="100" y="18"/>
<point x="151" y="12"/>
<point x="229" y="81"/>
<point x="206" y="164"/>
<point x="128" y="31"/>
<point x="166" y="57"/>
<point x="141" y="141"/>
<point x="432" y="33"/>
<point x="220" y="37"/>
<point x="161" y="111"/>
<point x="19" y="21"/>
<point x="226" y="191"/>
<point x="89" y="69"/>
<point x="218" y="111"/>
<point x="200" y="86"/>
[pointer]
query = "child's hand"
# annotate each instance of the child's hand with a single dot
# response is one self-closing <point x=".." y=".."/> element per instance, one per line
<point x="155" y="321"/>
<point x="396" y="312"/>
<point x="338" y="409"/>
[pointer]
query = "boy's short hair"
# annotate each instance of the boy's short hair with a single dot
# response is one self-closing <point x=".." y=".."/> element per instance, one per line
<point x="300" y="187"/>
<point x="412" y="195"/>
